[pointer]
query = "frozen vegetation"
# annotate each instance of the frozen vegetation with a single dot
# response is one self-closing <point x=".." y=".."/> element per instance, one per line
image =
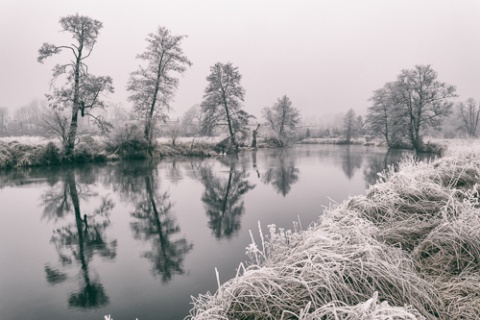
<point x="407" y="249"/>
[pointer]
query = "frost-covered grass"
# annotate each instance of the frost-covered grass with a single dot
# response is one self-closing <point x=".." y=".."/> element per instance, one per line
<point x="27" y="151"/>
<point x="407" y="249"/>
<point x="355" y="141"/>
<point x="26" y="140"/>
<point x="188" y="140"/>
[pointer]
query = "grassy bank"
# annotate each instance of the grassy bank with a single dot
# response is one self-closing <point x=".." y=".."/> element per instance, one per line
<point x="21" y="152"/>
<point x="407" y="249"/>
<point x="341" y="141"/>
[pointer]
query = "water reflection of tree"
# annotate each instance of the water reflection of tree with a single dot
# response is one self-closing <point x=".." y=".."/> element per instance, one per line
<point x="154" y="223"/>
<point x="351" y="162"/>
<point x="77" y="242"/>
<point x="223" y="198"/>
<point x="174" y="173"/>
<point x="282" y="174"/>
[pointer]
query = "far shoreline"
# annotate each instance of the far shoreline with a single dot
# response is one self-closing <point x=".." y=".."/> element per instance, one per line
<point x="25" y="152"/>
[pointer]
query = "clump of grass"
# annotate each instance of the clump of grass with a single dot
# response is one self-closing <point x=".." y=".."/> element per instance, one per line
<point x="460" y="295"/>
<point x="372" y="309"/>
<point x="332" y="262"/>
<point x="432" y="147"/>
<point x="6" y="158"/>
<point x="451" y="248"/>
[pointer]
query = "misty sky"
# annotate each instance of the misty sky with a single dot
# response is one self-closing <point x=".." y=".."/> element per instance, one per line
<point x="327" y="56"/>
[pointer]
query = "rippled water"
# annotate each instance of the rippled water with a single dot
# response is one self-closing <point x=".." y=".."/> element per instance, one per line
<point x="137" y="239"/>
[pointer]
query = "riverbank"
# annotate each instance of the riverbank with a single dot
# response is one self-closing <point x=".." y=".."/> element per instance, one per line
<point x="407" y="249"/>
<point x="436" y="146"/>
<point x="23" y="152"/>
<point x="33" y="151"/>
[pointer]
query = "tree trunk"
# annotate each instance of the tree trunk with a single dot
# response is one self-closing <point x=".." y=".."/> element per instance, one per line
<point x="227" y="193"/>
<point x="149" y="123"/>
<point x="72" y="133"/>
<point x="254" y="137"/>
<point x="150" y="192"/>
<point x="230" y="129"/>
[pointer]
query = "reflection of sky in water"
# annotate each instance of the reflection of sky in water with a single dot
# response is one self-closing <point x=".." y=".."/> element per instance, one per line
<point x="170" y="224"/>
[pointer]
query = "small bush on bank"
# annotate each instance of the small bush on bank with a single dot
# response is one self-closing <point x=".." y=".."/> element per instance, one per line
<point x="275" y="142"/>
<point x="127" y="143"/>
<point x="51" y="154"/>
<point x="89" y="150"/>
<point x="83" y="153"/>
<point x="6" y="159"/>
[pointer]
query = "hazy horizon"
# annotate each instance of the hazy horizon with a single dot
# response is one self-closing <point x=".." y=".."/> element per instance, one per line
<point x="326" y="56"/>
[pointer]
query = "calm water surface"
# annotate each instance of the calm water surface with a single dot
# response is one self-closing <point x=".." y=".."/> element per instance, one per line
<point x="137" y="239"/>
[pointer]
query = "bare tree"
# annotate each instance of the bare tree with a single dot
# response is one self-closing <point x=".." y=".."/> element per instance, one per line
<point x="28" y="116"/>
<point x="349" y="125"/>
<point x="82" y="90"/>
<point x="222" y="104"/>
<point x="469" y="113"/>
<point x="192" y="115"/>
<point x="282" y="118"/>
<point x="360" y="125"/>
<point x="422" y="101"/>
<point x="414" y="102"/>
<point x="379" y="117"/>
<point x="3" y="119"/>
<point x="153" y="86"/>
<point x="118" y="114"/>
<point x="174" y="130"/>
<point x="56" y="123"/>
<point x="192" y="120"/>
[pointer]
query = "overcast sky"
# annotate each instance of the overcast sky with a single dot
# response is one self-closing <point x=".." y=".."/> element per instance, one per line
<point x="327" y="56"/>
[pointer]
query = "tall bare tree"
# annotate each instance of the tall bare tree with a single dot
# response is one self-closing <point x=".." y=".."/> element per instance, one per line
<point x="222" y="104"/>
<point x="422" y="101"/>
<point x="469" y="113"/>
<point x="152" y="86"/>
<point x="282" y="117"/>
<point x="82" y="90"/>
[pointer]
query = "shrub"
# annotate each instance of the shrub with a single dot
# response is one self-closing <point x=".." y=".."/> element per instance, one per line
<point x="84" y="152"/>
<point x="51" y="154"/>
<point x="31" y="156"/>
<point x="127" y="143"/>
<point x="6" y="159"/>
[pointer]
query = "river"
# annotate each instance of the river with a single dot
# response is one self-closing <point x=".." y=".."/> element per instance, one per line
<point x="138" y="239"/>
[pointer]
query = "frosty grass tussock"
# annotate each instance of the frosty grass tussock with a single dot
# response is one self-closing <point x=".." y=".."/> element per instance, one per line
<point x="407" y="249"/>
